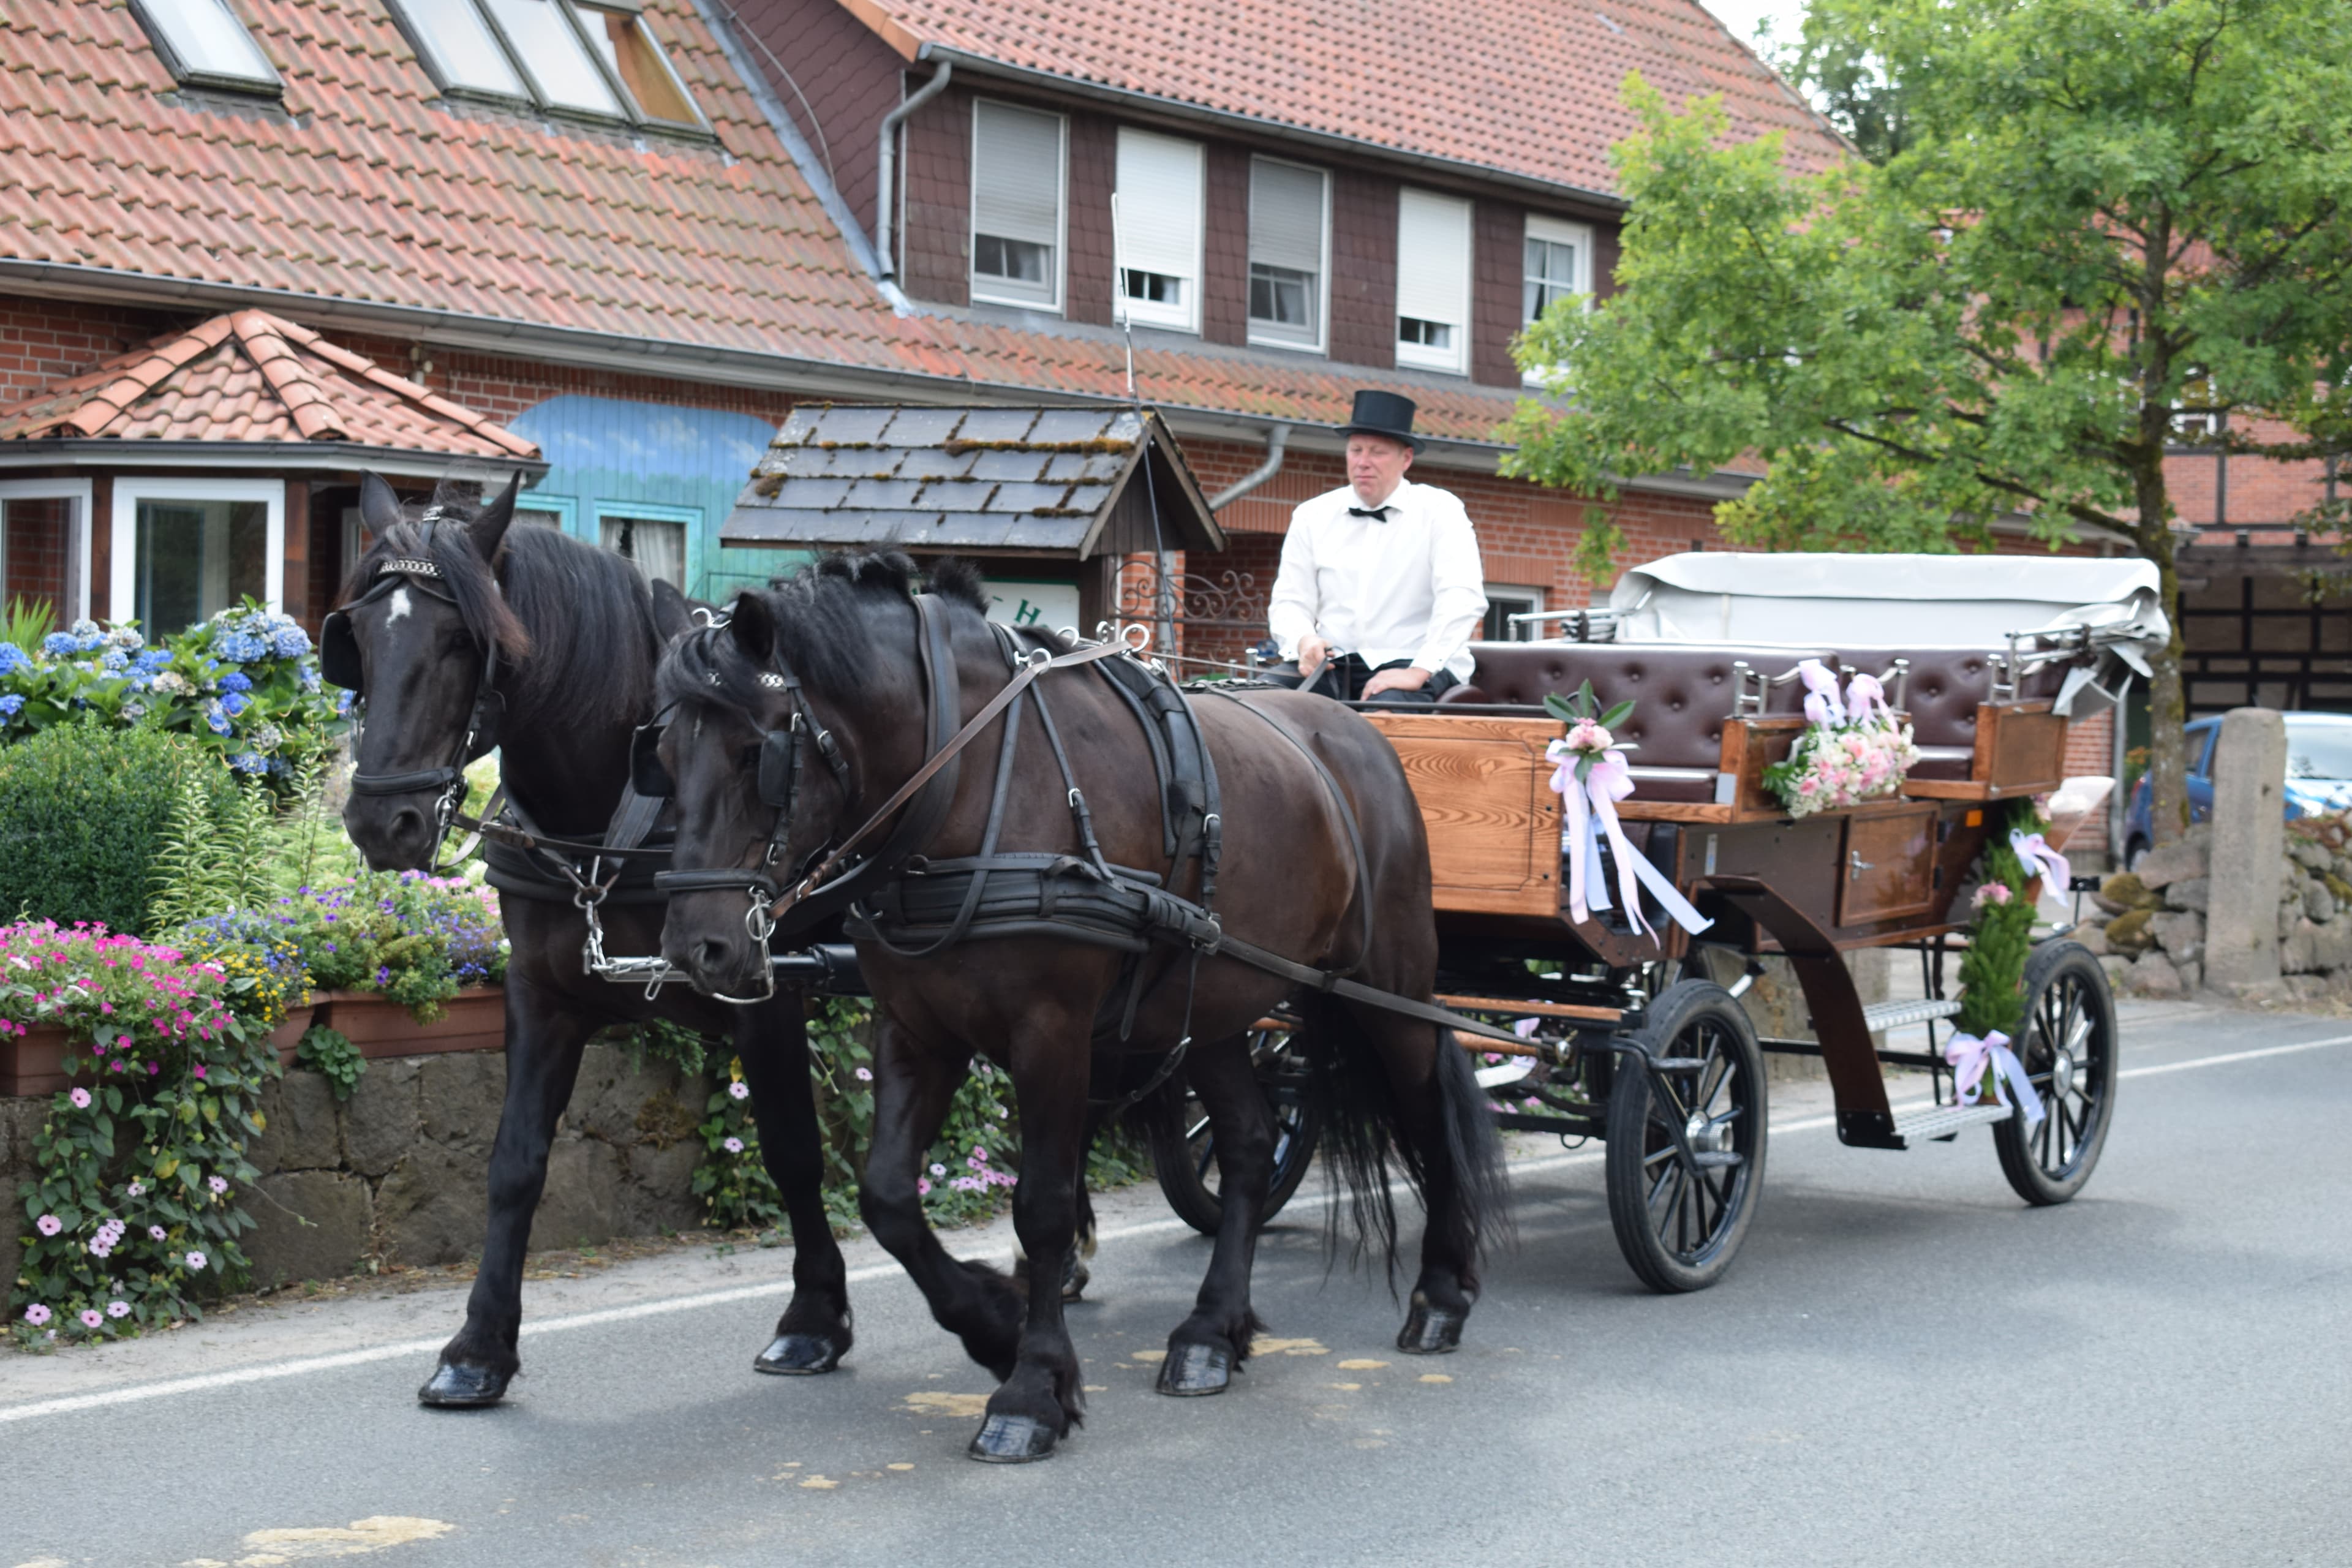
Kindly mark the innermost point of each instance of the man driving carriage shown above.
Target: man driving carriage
(1380, 587)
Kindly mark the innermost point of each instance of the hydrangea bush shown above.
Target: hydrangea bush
(134, 1209)
(245, 685)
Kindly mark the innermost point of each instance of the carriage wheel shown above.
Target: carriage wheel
(1678, 1218)
(1183, 1151)
(2068, 1047)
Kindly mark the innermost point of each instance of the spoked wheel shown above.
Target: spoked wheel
(2068, 1047)
(1184, 1153)
(1681, 1204)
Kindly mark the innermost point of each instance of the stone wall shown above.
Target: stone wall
(398, 1173)
(2152, 942)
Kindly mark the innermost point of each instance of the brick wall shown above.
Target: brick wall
(847, 76)
(43, 342)
(35, 552)
(2090, 753)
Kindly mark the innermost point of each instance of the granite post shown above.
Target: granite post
(2249, 845)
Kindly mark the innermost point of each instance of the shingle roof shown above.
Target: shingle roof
(250, 376)
(1529, 86)
(369, 187)
(965, 478)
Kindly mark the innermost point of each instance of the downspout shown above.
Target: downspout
(1277, 436)
(887, 164)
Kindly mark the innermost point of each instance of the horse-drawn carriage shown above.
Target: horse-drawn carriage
(1632, 1030)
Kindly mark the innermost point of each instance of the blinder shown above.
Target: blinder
(339, 651)
(779, 767)
(647, 776)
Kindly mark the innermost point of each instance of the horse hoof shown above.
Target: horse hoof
(1075, 1277)
(1012, 1441)
(799, 1355)
(454, 1385)
(1194, 1370)
(1431, 1331)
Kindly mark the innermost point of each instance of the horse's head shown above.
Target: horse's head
(800, 710)
(422, 629)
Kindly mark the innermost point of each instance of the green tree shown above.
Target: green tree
(2105, 213)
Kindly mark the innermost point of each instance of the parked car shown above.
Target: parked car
(2318, 774)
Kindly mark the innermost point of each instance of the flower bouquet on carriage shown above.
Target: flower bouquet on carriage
(1591, 776)
(1853, 747)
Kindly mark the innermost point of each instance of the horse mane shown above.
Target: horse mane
(824, 632)
(551, 603)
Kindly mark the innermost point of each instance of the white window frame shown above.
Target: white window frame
(632, 112)
(688, 519)
(271, 85)
(1515, 591)
(1322, 343)
(1185, 318)
(1557, 231)
(1419, 356)
(1061, 215)
(77, 491)
(122, 574)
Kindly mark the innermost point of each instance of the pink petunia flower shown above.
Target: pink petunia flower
(979, 1153)
(81, 1098)
(864, 1075)
(37, 1314)
(733, 1145)
(136, 1189)
(196, 1261)
(154, 1232)
(92, 1318)
(739, 1092)
(118, 1309)
(923, 1186)
(48, 1225)
(217, 1184)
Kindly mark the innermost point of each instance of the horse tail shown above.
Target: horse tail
(1365, 1132)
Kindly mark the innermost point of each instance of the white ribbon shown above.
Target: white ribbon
(2040, 860)
(1593, 800)
(1979, 1068)
(1821, 704)
(1864, 695)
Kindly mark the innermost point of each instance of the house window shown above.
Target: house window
(186, 550)
(1503, 602)
(1557, 265)
(1289, 230)
(591, 57)
(1432, 281)
(656, 545)
(1016, 205)
(203, 42)
(45, 544)
(1161, 189)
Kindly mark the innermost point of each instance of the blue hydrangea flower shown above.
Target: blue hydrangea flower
(152, 660)
(125, 637)
(240, 647)
(234, 703)
(13, 658)
(216, 720)
(11, 705)
(58, 644)
(311, 681)
(343, 701)
(248, 762)
(291, 642)
(236, 680)
(114, 660)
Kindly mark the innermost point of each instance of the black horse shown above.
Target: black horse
(467, 632)
(791, 726)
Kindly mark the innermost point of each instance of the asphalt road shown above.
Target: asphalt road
(1906, 1365)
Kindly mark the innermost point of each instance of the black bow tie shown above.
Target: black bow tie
(1380, 512)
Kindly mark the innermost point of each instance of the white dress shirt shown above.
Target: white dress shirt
(1408, 587)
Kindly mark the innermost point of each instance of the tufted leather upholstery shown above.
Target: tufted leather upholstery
(1946, 684)
(1682, 694)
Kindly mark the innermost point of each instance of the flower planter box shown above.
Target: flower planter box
(34, 1062)
(476, 1021)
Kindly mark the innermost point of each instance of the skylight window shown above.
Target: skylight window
(596, 61)
(203, 43)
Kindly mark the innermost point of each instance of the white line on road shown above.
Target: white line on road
(661, 1307)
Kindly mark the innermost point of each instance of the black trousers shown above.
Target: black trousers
(1344, 678)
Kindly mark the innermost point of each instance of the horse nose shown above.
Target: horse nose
(406, 824)
(710, 959)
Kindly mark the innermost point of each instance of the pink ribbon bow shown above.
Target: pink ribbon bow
(1864, 694)
(1980, 1068)
(2040, 860)
(1590, 804)
(1821, 704)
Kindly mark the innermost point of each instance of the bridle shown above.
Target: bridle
(339, 665)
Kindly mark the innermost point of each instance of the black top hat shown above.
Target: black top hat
(1382, 414)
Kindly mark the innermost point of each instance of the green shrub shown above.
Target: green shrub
(83, 812)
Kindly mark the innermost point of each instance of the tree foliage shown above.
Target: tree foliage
(2105, 213)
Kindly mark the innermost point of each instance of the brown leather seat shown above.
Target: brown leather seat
(1946, 685)
(1682, 693)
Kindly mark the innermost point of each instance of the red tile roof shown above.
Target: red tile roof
(251, 376)
(369, 188)
(1529, 87)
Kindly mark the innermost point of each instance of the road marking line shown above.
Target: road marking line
(662, 1306)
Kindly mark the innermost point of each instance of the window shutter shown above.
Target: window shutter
(1159, 204)
(1286, 219)
(1017, 174)
(1434, 274)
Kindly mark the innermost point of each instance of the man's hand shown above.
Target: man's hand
(1313, 654)
(1411, 678)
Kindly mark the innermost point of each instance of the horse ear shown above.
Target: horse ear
(489, 525)
(673, 617)
(753, 627)
(379, 507)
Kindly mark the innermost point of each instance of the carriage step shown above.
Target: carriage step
(1944, 1121)
(1885, 1016)
(1508, 1073)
